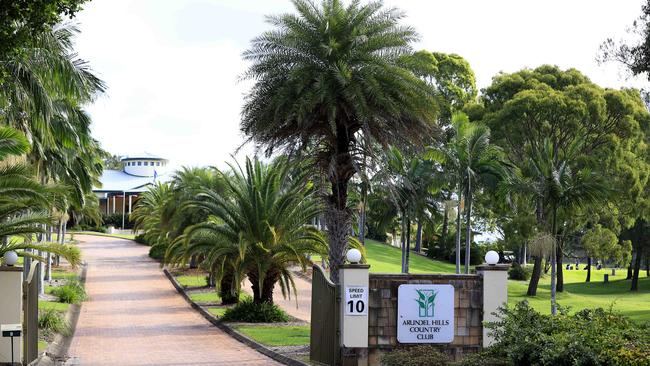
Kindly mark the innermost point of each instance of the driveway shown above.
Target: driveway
(134, 316)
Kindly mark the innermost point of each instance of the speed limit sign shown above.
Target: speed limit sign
(356, 300)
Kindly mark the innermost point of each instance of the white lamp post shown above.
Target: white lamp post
(10, 258)
(491, 257)
(353, 256)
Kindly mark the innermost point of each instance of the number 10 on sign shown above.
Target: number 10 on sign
(356, 300)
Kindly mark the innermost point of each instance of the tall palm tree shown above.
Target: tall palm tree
(331, 80)
(475, 163)
(260, 227)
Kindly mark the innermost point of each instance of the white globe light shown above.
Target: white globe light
(491, 257)
(353, 256)
(10, 258)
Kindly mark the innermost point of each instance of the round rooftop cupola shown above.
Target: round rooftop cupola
(144, 165)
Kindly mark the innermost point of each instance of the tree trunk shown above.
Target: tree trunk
(226, 289)
(534, 278)
(637, 268)
(408, 245)
(362, 214)
(418, 237)
(458, 229)
(468, 223)
(525, 262)
(588, 270)
(560, 273)
(553, 264)
(445, 223)
(403, 242)
(265, 294)
(629, 269)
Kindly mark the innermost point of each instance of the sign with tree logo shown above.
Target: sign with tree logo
(425, 314)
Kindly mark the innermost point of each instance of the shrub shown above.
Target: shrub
(589, 337)
(157, 252)
(141, 239)
(51, 321)
(248, 311)
(517, 272)
(115, 220)
(70, 293)
(415, 356)
(484, 358)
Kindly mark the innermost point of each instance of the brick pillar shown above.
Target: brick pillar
(495, 293)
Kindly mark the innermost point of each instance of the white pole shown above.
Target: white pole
(113, 204)
(108, 204)
(130, 197)
(123, 208)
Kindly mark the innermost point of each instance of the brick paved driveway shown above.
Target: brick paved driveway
(135, 317)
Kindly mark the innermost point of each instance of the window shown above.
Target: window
(139, 163)
(146, 163)
(158, 164)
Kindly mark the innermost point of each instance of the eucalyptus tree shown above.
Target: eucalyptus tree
(259, 227)
(530, 108)
(329, 78)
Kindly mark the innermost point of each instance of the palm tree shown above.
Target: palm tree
(24, 202)
(474, 163)
(331, 80)
(260, 227)
(554, 184)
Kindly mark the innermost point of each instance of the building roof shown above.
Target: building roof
(119, 181)
(142, 155)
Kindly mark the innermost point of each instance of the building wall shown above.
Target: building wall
(138, 167)
(468, 312)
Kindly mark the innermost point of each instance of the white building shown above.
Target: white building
(120, 188)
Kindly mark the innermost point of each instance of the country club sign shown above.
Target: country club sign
(425, 314)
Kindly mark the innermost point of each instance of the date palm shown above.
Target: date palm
(333, 80)
(259, 227)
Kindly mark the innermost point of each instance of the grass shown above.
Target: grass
(46, 305)
(192, 280)
(120, 236)
(42, 346)
(211, 296)
(579, 295)
(218, 312)
(270, 335)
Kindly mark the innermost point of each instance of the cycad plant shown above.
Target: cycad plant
(329, 81)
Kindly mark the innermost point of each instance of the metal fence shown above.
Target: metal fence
(324, 344)
(30, 313)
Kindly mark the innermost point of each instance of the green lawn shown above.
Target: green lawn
(211, 296)
(120, 236)
(46, 305)
(191, 280)
(578, 294)
(277, 335)
(218, 312)
(384, 258)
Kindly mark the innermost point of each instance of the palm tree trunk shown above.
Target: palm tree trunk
(408, 245)
(637, 268)
(588, 270)
(338, 218)
(458, 229)
(468, 223)
(445, 223)
(418, 236)
(560, 273)
(226, 290)
(534, 278)
(553, 266)
(362, 215)
(403, 242)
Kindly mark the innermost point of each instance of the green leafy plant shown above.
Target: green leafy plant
(71, 293)
(51, 321)
(517, 272)
(426, 302)
(415, 356)
(248, 311)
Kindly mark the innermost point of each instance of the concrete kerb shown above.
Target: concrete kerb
(231, 331)
(56, 352)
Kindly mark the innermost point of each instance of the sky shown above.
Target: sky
(172, 67)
